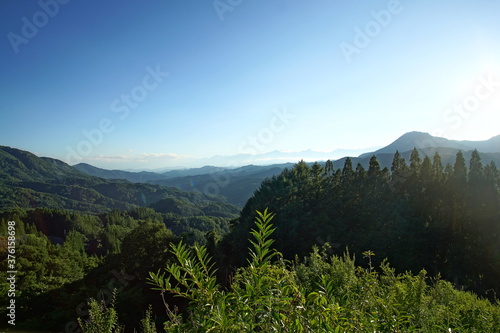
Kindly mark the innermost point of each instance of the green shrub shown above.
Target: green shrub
(101, 318)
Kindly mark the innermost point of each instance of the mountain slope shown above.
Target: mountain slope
(237, 185)
(422, 140)
(191, 172)
(144, 176)
(135, 177)
(29, 181)
(20, 165)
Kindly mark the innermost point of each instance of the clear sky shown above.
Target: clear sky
(149, 84)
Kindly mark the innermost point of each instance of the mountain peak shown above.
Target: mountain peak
(421, 140)
(414, 134)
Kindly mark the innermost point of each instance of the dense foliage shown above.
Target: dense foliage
(420, 214)
(321, 294)
(66, 257)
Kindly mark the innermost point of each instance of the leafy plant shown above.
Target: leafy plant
(102, 319)
(148, 322)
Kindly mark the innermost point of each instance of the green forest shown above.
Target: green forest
(317, 248)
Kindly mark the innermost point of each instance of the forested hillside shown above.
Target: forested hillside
(237, 185)
(420, 214)
(28, 181)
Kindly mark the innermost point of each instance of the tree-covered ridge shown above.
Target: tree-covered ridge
(19, 165)
(420, 214)
(28, 181)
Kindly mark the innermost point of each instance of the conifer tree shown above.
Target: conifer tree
(329, 170)
(415, 162)
(460, 170)
(374, 167)
(347, 171)
(437, 167)
(398, 167)
(360, 172)
(476, 170)
(426, 171)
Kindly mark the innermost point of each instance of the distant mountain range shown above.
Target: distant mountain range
(30, 181)
(280, 157)
(143, 176)
(238, 184)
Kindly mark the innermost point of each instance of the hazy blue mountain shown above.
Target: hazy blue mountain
(191, 171)
(143, 176)
(279, 157)
(135, 177)
(422, 140)
(237, 185)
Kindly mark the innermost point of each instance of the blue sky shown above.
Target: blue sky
(159, 83)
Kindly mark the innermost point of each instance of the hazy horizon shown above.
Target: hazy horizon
(265, 159)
